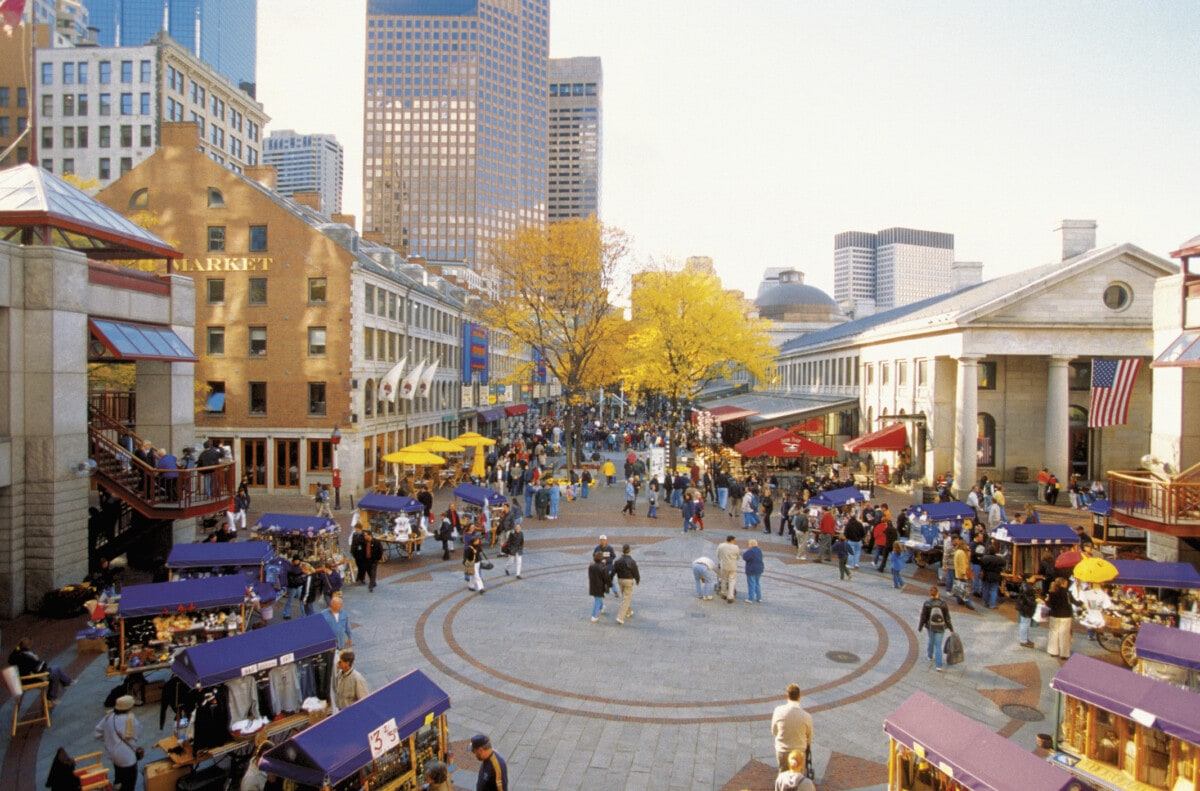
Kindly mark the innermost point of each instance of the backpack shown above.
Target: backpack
(937, 617)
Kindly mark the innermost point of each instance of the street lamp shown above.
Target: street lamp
(335, 439)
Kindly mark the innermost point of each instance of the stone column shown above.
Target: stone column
(1058, 418)
(966, 423)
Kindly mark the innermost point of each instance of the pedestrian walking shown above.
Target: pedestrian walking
(299, 584)
(339, 622)
(1027, 605)
(962, 573)
(792, 728)
(609, 553)
(1062, 617)
(598, 582)
(704, 570)
(727, 559)
(322, 499)
(493, 771)
(349, 685)
(841, 549)
(826, 530)
(122, 734)
(514, 547)
(372, 552)
(630, 495)
(625, 569)
(935, 616)
(652, 499)
(472, 560)
(897, 564)
(794, 778)
(753, 560)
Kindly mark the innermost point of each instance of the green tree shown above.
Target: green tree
(556, 286)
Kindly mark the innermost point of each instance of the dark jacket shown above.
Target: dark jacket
(515, 543)
(992, 567)
(627, 568)
(854, 530)
(597, 579)
(753, 558)
(1027, 600)
(925, 610)
(1060, 602)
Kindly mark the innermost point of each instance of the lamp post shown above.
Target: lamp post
(335, 439)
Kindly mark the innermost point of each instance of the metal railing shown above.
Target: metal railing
(1147, 496)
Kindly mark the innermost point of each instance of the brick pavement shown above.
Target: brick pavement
(678, 698)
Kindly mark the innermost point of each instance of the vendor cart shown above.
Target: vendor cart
(380, 743)
(1119, 730)
(1108, 532)
(395, 521)
(152, 621)
(932, 746)
(313, 539)
(1147, 591)
(836, 498)
(1170, 655)
(210, 559)
(1026, 542)
(484, 505)
(928, 526)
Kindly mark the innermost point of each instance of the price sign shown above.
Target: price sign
(384, 738)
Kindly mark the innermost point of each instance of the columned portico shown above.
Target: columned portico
(966, 423)
(1058, 417)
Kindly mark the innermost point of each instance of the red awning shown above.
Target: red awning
(893, 437)
(124, 340)
(781, 443)
(724, 414)
(516, 409)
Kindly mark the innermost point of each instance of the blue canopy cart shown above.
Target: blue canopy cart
(311, 538)
(381, 741)
(1170, 655)
(1147, 592)
(1026, 542)
(835, 498)
(380, 511)
(209, 559)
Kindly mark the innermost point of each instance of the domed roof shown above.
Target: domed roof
(790, 291)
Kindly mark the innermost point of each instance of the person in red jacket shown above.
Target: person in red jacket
(827, 529)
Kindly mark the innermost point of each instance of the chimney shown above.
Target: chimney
(966, 273)
(344, 219)
(310, 199)
(263, 174)
(1078, 236)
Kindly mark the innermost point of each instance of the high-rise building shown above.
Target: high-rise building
(98, 109)
(576, 137)
(307, 163)
(222, 33)
(455, 101)
(894, 267)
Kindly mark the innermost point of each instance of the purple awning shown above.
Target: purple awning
(1156, 574)
(1163, 706)
(229, 553)
(1159, 643)
(182, 596)
(1046, 533)
(973, 754)
(390, 503)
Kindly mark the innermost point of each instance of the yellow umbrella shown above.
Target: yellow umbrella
(440, 445)
(412, 456)
(1095, 570)
(478, 464)
(473, 440)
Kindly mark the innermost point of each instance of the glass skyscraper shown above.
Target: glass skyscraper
(222, 33)
(455, 129)
(576, 137)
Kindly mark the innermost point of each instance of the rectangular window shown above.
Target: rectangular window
(216, 290)
(258, 341)
(922, 373)
(22, 97)
(126, 165)
(316, 399)
(316, 290)
(68, 166)
(258, 398)
(106, 104)
(4, 94)
(368, 344)
(987, 376)
(146, 136)
(47, 74)
(81, 72)
(126, 136)
(68, 73)
(258, 238)
(5, 126)
(902, 373)
(258, 291)
(1079, 376)
(127, 104)
(47, 137)
(105, 168)
(144, 103)
(369, 301)
(48, 165)
(105, 72)
(884, 374)
(316, 341)
(105, 137)
(81, 105)
(47, 105)
(144, 69)
(215, 403)
(216, 238)
(68, 104)
(81, 137)
(126, 71)
(68, 137)
(216, 341)
(320, 451)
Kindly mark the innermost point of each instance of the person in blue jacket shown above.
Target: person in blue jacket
(753, 558)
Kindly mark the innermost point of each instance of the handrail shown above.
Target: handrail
(1143, 494)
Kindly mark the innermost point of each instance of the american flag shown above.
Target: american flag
(1112, 382)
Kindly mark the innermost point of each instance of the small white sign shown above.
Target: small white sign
(384, 738)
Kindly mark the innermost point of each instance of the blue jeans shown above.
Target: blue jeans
(977, 582)
(876, 554)
(897, 580)
(855, 553)
(949, 575)
(287, 601)
(991, 594)
(583, 491)
(754, 587)
(597, 606)
(705, 577)
(677, 498)
(1023, 623)
(528, 500)
(686, 522)
(653, 512)
(553, 508)
(722, 498)
(749, 520)
(934, 648)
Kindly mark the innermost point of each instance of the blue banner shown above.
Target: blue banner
(475, 354)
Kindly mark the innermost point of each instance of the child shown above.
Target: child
(652, 497)
(841, 548)
(897, 563)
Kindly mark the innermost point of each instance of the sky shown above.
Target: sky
(753, 131)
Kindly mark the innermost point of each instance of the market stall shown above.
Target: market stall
(932, 747)
(479, 499)
(928, 526)
(380, 742)
(1116, 729)
(265, 667)
(1109, 533)
(153, 621)
(836, 498)
(1026, 542)
(395, 521)
(1170, 655)
(209, 559)
(311, 538)
(1147, 591)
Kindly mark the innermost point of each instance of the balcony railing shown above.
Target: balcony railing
(1146, 496)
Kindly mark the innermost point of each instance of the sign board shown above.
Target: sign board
(658, 464)
(384, 739)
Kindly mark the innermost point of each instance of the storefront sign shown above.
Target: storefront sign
(384, 739)
(475, 354)
(224, 264)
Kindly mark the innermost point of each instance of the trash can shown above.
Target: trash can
(1020, 475)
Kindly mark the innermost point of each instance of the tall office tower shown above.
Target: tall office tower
(454, 124)
(894, 267)
(222, 33)
(576, 137)
(307, 163)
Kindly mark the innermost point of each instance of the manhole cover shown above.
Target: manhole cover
(842, 657)
(699, 614)
(654, 553)
(1019, 711)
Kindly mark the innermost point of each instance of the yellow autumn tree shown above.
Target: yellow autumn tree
(687, 332)
(556, 287)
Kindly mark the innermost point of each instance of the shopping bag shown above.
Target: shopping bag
(1041, 613)
(953, 648)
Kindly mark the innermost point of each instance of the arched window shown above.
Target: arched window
(369, 398)
(985, 443)
(215, 199)
(1077, 416)
(140, 199)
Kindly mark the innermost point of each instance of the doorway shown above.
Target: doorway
(287, 463)
(254, 461)
(1080, 439)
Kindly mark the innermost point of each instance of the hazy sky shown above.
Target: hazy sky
(754, 131)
